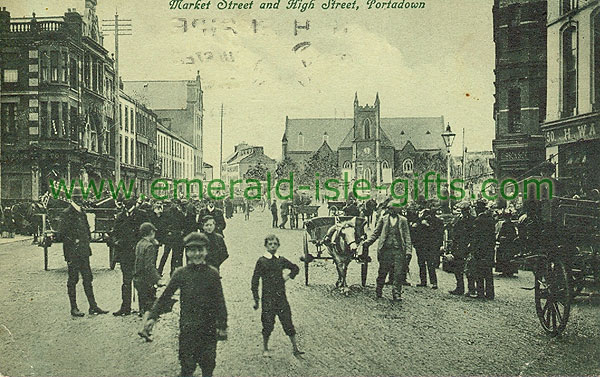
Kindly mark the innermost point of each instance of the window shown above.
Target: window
(569, 85)
(121, 116)
(367, 174)
(407, 166)
(347, 165)
(86, 71)
(596, 57)
(73, 69)
(126, 119)
(45, 64)
(385, 165)
(9, 120)
(514, 110)
(65, 120)
(126, 150)
(121, 147)
(74, 119)
(64, 67)
(100, 78)
(131, 119)
(131, 150)
(44, 132)
(11, 75)
(54, 66)
(54, 121)
(568, 5)
(300, 141)
(94, 76)
(367, 128)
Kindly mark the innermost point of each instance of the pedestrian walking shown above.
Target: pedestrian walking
(246, 210)
(125, 241)
(394, 243)
(284, 210)
(203, 314)
(75, 232)
(274, 271)
(481, 250)
(505, 251)
(274, 214)
(146, 276)
(429, 237)
(217, 250)
(461, 232)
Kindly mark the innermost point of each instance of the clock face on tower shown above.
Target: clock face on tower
(367, 150)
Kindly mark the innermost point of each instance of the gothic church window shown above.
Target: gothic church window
(367, 128)
(407, 166)
(385, 165)
(346, 165)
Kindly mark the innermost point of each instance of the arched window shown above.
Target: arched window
(325, 138)
(407, 166)
(385, 165)
(347, 165)
(596, 57)
(300, 141)
(569, 67)
(367, 174)
(367, 128)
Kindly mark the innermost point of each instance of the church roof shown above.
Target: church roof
(424, 133)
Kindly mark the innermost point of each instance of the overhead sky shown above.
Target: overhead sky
(423, 62)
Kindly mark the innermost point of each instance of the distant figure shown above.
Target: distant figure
(274, 214)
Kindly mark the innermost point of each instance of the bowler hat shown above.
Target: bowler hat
(195, 239)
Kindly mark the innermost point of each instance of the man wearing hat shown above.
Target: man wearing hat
(146, 275)
(75, 231)
(203, 314)
(483, 241)
(429, 236)
(394, 243)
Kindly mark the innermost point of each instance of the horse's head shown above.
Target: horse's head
(348, 239)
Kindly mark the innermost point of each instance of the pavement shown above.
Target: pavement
(429, 333)
(16, 238)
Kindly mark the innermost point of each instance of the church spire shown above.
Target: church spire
(377, 99)
(356, 98)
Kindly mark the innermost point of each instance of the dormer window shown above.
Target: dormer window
(325, 138)
(428, 132)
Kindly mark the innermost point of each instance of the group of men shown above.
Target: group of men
(137, 220)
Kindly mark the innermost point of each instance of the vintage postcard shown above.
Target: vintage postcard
(299, 187)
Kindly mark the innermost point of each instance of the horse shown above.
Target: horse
(342, 244)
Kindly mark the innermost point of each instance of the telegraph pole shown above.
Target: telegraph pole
(113, 26)
(221, 147)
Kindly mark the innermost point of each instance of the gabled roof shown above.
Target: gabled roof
(159, 95)
(423, 133)
(207, 165)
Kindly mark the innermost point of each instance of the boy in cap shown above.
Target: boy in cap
(271, 268)
(203, 315)
(146, 275)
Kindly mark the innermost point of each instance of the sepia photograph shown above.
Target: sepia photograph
(299, 188)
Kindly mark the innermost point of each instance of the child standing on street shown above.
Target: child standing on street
(274, 271)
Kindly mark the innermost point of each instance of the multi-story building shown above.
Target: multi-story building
(56, 102)
(175, 156)
(366, 146)
(137, 139)
(519, 108)
(179, 107)
(572, 127)
(243, 158)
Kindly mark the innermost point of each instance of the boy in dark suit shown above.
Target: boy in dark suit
(272, 269)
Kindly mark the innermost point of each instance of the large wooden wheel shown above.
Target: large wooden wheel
(553, 295)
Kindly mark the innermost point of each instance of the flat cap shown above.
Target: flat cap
(145, 228)
(195, 239)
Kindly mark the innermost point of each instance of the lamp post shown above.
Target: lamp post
(448, 137)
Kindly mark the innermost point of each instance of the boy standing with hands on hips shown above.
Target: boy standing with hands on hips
(274, 271)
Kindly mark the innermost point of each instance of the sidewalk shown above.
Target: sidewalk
(16, 238)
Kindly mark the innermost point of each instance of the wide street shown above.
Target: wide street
(429, 333)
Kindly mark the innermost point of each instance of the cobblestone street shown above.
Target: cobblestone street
(429, 333)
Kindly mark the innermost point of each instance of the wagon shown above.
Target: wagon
(102, 218)
(316, 229)
(336, 208)
(566, 261)
(307, 211)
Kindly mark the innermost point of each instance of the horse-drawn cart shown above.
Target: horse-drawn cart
(565, 261)
(316, 230)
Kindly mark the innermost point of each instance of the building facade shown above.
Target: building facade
(57, 102)
(175, 157)
(137, 140)
(243, 158)
(520, 86)
(179, 107)
(573, 108)
(367, 146)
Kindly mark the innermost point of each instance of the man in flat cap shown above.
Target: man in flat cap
(146, 275)
(203, 314)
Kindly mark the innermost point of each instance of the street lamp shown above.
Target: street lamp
(448, 137)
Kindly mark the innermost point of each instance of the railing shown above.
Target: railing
(24, 27)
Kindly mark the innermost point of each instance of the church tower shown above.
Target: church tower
(365, 144)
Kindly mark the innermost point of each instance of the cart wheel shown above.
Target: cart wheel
(112, 260)
(553, 294)
(364, 267)
(306, 259)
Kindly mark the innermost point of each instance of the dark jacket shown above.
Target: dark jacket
(428, 236)
(271, 272)
(216, 214)
(382, 231)
(483, 240)
(203, 307)
(146, 274)
(217, 250)
(75, 232)
(351, 210)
